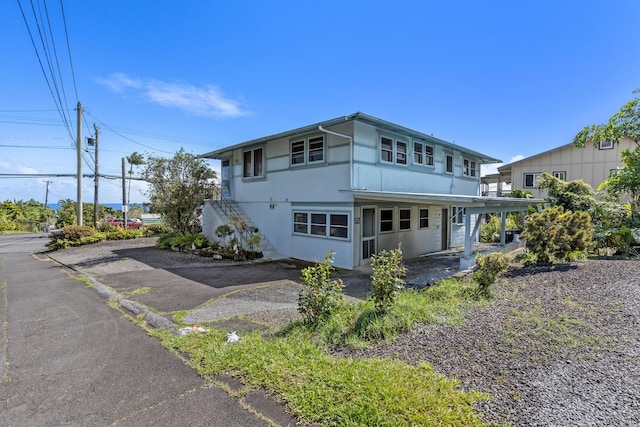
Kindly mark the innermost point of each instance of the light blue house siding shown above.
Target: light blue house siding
(336, 186)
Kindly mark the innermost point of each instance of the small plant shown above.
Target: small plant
(223, 232)
(321, 296)
(388, 277)
(489, 266)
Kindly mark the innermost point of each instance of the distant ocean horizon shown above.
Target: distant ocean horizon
(116, 206)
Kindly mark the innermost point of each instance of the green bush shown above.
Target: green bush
(555, 234)
(321, 295)
(488, 268)
(494, 226)
(76, 232)
(158, 228)
(119, 233)
(388, 277)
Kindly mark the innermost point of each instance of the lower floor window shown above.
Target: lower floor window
(405, 219)
(321, 224)
(424, 218)
(386, 220)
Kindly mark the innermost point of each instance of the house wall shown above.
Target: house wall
(271, 200)
(371, 173)
(590, 164)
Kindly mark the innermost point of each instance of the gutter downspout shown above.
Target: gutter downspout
(350, 138)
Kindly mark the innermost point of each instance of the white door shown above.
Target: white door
(368, 227)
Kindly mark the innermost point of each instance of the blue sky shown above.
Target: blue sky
(508, 79)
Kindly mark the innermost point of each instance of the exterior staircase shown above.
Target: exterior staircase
(241, 223)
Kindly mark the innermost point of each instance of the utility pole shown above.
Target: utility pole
(46, 196)
(125, 208)
(46, 205)
(95, 178)
(79, 155)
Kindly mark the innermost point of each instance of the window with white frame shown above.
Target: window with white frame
(307, 150)
(605, 145)
(301, 222)
(422, 154)
(386, 220)
(386, 149)
(252, 163)
(401, 153)
(460, 213)
(393, 150)
(424, 218)
(469, 168)
(405, 219)
(448, 163)
(320, 224)
(339, 226)
(530, 179)
(560, 175)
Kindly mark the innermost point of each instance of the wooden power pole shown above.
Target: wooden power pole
(96, 180)
(79, 155)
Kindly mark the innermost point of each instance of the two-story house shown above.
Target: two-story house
(356, 185)
(590, 164)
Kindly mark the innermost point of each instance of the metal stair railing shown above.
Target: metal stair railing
(244, 231)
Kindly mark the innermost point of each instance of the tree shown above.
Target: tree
(625, 123)
(178, 188)
(135, 159)
(573, 196)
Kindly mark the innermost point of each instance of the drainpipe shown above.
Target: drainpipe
(350, 138)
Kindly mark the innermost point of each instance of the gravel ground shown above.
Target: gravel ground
(554, 347)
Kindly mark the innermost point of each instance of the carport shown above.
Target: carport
(474, 206)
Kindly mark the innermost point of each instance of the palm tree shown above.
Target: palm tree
(135, 159)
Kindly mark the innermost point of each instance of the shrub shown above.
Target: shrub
(158, 228)
(223, 232)
(119, 233)
(494, 226)
(321, 296)
(76, 232)
(555, 233)
(387, 279)
(488, 268)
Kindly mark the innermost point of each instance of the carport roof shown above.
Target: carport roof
(477, 203)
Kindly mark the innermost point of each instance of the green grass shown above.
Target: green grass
(333, 391)
(318, 387)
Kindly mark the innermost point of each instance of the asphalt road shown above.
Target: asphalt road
(67, 358)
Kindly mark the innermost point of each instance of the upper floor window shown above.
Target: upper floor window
(393, 150)
(448, 163)
(530, 179)
(605, 145)
(307, 150)
(252, 165)
(422, 154)
(560, 175)
(469, 168)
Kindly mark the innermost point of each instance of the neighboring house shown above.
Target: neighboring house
(356, 185)
(590, 164)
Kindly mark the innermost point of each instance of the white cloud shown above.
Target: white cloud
(493, 167)
(201, 101)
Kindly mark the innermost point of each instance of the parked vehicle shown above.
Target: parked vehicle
(134, 223)
(116, 222)
(131, 222)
